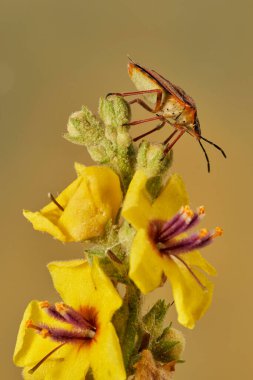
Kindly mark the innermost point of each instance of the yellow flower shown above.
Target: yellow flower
(82, 210)
(62, 340)
(157, 250)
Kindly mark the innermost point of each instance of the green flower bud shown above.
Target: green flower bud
(85, 129)
(114, 111)
(177, 350)
(151, 158)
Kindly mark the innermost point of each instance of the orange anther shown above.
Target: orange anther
(188, 211)
(201, 210)
(44, 304)
(60, 307)
(29, 323)
(203, 232)
(218, 232)
(44, 333)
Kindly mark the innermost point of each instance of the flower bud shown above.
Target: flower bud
(151, 158)
(114, 111)
(85, 129)
(174, 335)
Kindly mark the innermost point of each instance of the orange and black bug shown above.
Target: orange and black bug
(169, 102)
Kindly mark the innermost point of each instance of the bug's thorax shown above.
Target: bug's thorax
(178, 113)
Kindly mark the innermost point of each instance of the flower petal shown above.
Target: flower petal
(43, 224)
(96, 201)
(137, 205)
(46, 220)
(79, 168)
(80, 284)
(146, 265)
(170, 200)
(106, 356)
(190, 299)
(73, 364)
(195, 258)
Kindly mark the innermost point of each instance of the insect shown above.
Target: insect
(171, 105)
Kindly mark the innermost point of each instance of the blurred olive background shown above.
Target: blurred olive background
(57, 55)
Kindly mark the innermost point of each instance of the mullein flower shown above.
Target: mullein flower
(82, 210)
(63, 340)
(159, 247)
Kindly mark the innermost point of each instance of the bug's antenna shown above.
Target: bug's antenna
(207, 159)
(215, 145)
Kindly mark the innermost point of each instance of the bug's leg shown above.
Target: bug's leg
(169, 146)
(170, 137)
(157, 128)
(141, 102)
(145, 120)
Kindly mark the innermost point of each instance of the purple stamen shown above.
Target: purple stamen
(195, 220)
(180, 226)
(65, 313)
(52, 312)
(185, 245)
(65, 336)
(76, 319)
(172, 245)
(167, 225)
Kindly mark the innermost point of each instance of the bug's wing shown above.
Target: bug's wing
(173, 89)
(145, 81)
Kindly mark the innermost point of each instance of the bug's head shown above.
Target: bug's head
(196, 127)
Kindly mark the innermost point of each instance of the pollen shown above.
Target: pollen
(203, 232)
(201, 210)
(44, 333)
(218, 232)
(44, 304)
(188, 211)
(60, 307)
(29, 323)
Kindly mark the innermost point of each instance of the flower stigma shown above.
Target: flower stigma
(51, 196)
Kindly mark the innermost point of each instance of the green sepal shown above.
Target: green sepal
(115, 271)
(154, 186)
(120, 319)
(126, 235)
(129, 349)
(162, 350)
(153, 320)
